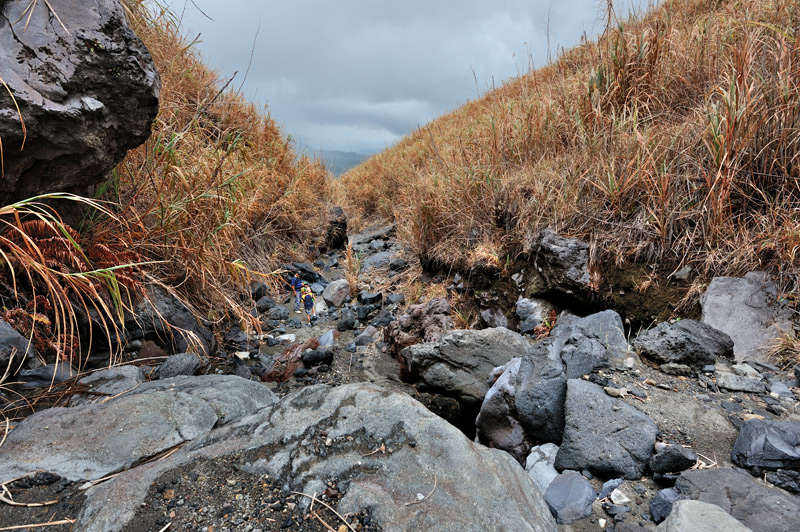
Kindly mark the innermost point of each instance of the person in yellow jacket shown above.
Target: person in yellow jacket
(307, 296)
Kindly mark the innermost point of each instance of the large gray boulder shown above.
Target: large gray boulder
(15, 349)
(604, 435)
(748, 310)
(107, 383)
(531, 396)
(162, 318)
(767, 445)
(378, 260)
(321, 433)
(688, 342)
(596, 341)
(337, 292)
(90, 441)
(95, 80)
(180, 364)
(758, 507)
(460, 362)
(497, 422)
(696, 516)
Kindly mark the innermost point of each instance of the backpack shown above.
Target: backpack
(308, 299)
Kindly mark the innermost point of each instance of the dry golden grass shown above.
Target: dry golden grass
(217, 191)
(673, 139)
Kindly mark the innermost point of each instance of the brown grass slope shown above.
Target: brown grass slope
(671, 140)
(217, 191)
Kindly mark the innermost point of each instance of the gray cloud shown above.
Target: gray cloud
(360, 74)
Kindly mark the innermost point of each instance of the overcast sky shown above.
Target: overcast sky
(357, 75)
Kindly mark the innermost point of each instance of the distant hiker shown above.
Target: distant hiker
(308, 302)
(297, 284)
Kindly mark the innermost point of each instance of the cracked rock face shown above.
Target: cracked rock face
(86, 94)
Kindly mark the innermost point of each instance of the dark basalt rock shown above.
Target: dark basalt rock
(86, 97)
(767, 445)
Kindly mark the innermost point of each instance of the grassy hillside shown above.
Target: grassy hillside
(217, 190)
(673, 140)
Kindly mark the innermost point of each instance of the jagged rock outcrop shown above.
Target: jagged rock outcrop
(426, 322)
(562, 264)
(526, 404)
(86, 94)
(687, 342)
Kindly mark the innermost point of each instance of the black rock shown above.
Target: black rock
(673, 459)
(788, 480)
(302, 371)
(363, 339)
(396, 299)
(569, 497)
(258, 290)
(384, 318)
(615, 509)
(398, 264)
(307, 272)
(562, 263)
(279, 313)
(370, 298)
(687, 342)
(294, 323)
(363, 312)
(661, 505)
(180, 364)
(767, 445)
(347, 320)
(86, 96)
(603, 434)
(265, 303)
(351, 347)
(609, 486)
(315, 357)
(272, 341)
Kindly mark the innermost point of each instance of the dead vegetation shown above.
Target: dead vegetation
(673, 140)
(217, 193)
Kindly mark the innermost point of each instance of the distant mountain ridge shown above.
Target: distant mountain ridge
(338, 162)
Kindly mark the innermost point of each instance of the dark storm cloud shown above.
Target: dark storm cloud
(350, 75)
